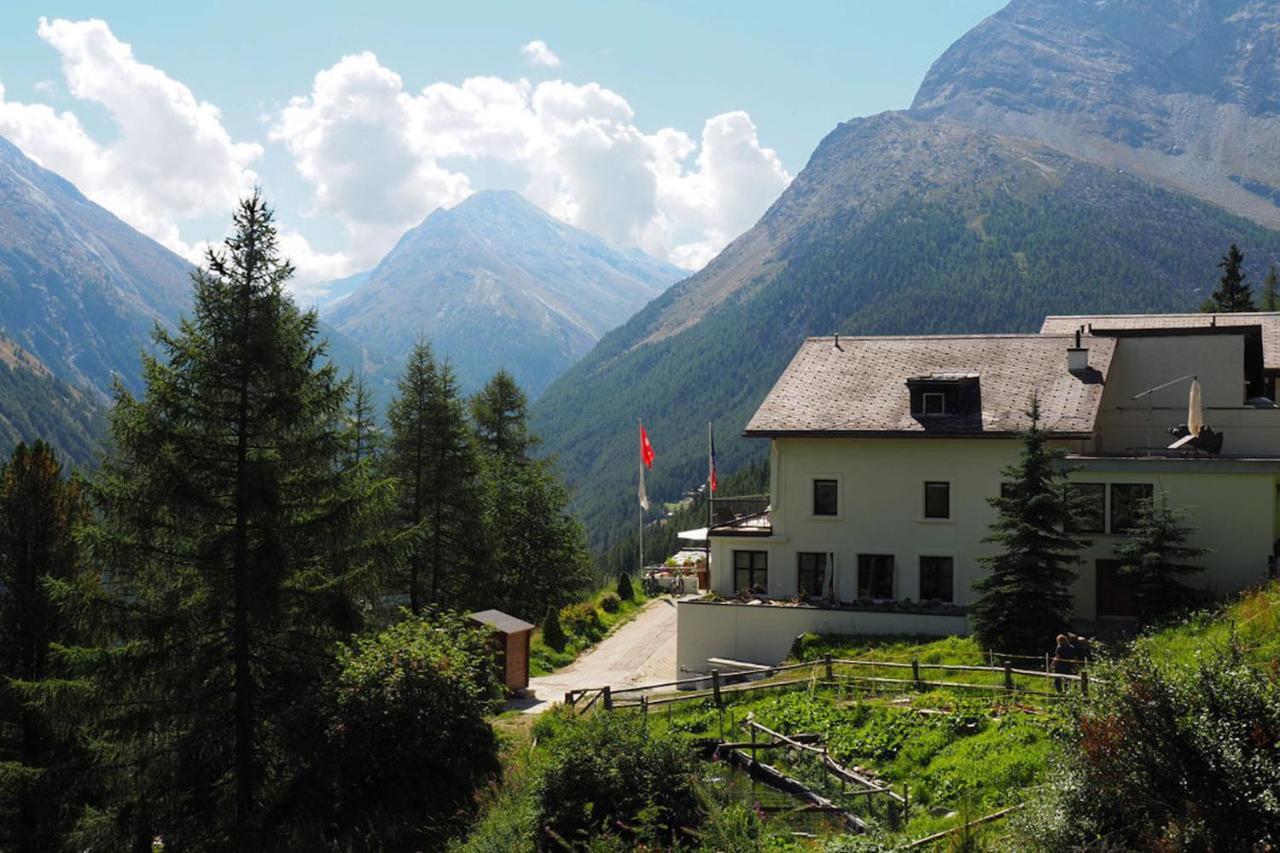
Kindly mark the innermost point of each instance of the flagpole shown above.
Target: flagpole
(710, 494)
(640, 472)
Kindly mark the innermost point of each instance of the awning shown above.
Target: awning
(699, 535)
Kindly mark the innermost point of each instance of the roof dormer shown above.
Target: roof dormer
(944, 398)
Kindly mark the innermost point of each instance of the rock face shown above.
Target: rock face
(496, 283)
(1063, 157)
(79, 289)
(1183, 92)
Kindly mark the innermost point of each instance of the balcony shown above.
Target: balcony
(747, 515)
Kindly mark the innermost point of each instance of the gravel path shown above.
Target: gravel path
(643, 651)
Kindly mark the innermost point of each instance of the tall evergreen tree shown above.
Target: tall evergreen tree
(1232, 295)
(1271, 291)
(39, 511)
(432, 455)
(1155, 558)
(223, 508)
(366, 437)
(538, 550)
(1025, 597)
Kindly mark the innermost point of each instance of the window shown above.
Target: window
(751, 571)
(824, 497)
(1089, 501)
(1125, 501)
(936, 575)
(811, 575)
(875, 576)
(933, 403)
(937, 500)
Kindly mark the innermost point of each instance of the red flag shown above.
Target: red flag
(646, 449)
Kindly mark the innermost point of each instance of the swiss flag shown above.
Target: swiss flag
(646, 449)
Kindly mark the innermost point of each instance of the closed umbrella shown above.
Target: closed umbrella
(1195, 409)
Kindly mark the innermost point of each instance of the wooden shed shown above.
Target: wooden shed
(512, 636)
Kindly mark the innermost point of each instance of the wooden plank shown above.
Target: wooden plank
(828, 762)
(939, 836)
(773, 776)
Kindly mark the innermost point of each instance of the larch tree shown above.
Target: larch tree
(500, 411)
(1271, 291)
(40, 510)
(1025, 598)
(223, 507)
(432, 456)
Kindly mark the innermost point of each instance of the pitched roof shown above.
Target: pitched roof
(1268, 321)
(501, 621)
(861, 387)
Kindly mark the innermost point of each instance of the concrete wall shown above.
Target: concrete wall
(764, 634)
(1231, 504)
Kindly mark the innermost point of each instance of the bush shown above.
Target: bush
(610, 602)
(552, 632)
(604, 775)
(626, 591)
(409, 740)
(1164, 759)
(583, 620)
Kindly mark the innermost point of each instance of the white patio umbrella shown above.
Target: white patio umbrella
(1195, 409)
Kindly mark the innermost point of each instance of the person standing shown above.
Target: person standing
(1064, 661)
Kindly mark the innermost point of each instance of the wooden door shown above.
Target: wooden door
(1115, 596)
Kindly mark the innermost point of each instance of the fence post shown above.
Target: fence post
(827, 660)
(915, 672)
(906, 803)
(1008, 675)
(644, 711)
(568, 699)
(1084, 682)
(715, 686)
(607, 697)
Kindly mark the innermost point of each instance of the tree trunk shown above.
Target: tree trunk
(245, 836)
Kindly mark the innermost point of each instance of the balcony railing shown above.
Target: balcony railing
(728, 510)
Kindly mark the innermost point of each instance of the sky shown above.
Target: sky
(670, 126)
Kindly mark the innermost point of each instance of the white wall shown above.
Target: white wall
(764, 634)
(1230, 503)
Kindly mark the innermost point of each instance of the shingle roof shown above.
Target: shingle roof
(861, 386)
(501, 621)
(1268, 321)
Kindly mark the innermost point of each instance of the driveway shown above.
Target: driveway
(643, 651)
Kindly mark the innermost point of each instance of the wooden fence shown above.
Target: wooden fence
(874, 674)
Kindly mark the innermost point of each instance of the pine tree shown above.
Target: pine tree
(432, 456)
(1271, 291)
(223, 511)
(1232, 295)
(1025, 599)
(39, 512)
(1156, 556)
(366, 437)
(538, 549)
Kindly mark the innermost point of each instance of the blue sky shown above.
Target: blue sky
(794, 70)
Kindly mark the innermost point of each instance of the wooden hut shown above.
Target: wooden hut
(512, 637)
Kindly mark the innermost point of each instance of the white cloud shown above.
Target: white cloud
(171, 158)
(538, 54)
(380, 158)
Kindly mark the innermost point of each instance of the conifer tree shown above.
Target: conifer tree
(223, 509)
(1232, 295)
(538, 550)
(433, 457)
(1156, 557)
(1025, 599)
(366, 437)
(39, 512)
(1271, 291)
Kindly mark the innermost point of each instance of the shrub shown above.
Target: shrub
(583, 620)
(604, 775)
(1164, 759)
(552, 632)
(408, 740)
(626, 591)
(610, 602)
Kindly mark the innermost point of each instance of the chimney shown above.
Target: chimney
(1078, 357)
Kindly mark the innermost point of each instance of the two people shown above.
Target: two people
(1068, 656)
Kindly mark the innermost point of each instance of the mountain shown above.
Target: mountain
(80, 293)
(907, 222)
(36, 404)
(497, 283)
(332, 292)
(79, 289)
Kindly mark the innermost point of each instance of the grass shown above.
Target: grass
(544, 660)
(1251, 621)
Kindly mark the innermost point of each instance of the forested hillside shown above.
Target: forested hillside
(34, 404)
(989, 242)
